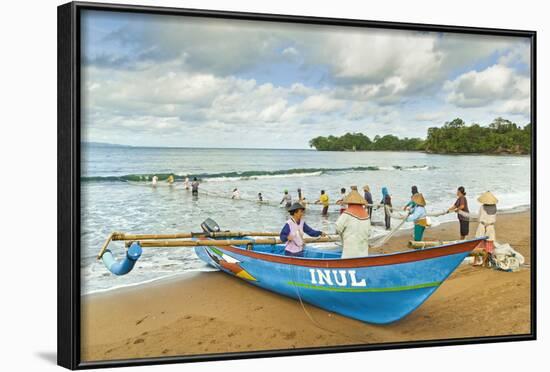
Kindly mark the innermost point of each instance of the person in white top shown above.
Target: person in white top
(353, 225)
(236, 194)
(486, 227)
(154, 180)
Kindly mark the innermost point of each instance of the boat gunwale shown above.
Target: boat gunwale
(359, 262)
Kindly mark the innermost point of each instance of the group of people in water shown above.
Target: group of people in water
(189, 185)
(353, 224)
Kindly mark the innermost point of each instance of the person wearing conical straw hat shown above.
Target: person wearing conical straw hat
(417, 214)
(353, 225)
(486, 226)
(293, 231)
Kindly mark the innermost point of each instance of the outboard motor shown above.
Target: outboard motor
(210, 226)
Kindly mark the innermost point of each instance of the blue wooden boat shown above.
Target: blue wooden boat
(377, 289)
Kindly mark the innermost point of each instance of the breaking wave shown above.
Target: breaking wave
(251, 175)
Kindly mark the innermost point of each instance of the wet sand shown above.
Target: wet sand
(211, 312)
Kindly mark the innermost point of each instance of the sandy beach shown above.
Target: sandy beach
(205, 313)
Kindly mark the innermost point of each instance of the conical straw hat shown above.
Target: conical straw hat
(419, 199)
(354, 198)
(487, 198)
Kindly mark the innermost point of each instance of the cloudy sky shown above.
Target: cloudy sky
(154, 80)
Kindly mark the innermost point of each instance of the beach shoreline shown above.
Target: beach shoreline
(210, 312)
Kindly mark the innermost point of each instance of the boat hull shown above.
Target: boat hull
(376, 289)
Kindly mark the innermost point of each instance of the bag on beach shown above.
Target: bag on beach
(505, 258)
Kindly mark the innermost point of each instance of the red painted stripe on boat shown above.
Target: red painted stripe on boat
(391, 259)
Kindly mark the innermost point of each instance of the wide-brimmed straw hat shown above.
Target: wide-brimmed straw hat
(366, 188)
(419, 199)
(487, 198)
(295, 206)
(354, 198)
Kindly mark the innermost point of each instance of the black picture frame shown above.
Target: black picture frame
(68, 92)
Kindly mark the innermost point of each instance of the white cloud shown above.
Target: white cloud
(479, 88)
(321, 103)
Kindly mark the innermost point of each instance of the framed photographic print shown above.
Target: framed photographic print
(236, 185)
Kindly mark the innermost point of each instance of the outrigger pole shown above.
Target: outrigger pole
(222, 243)
(133, 253)
(117, 236)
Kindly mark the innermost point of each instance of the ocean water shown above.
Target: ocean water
(117, 194)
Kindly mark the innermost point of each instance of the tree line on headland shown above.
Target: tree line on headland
(455, 137)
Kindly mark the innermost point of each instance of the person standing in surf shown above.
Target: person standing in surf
(195, 187)
(236, 194)
(287, 200)
(170, 180)
(293, 231)
(324, 200)
(461, 204)
(154, 181)
(301, 197)
(186, 183)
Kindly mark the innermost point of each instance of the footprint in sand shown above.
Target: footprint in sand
(290, 335)
(165, 351)
(141, 320)
(187, 317)
(139, 341)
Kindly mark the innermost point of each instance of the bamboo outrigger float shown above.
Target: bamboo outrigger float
(376, 289)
